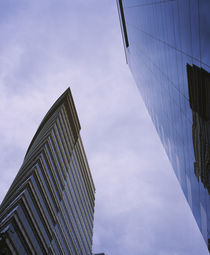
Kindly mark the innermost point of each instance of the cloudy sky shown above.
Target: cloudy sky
(48, 45)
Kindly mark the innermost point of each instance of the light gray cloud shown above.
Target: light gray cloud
(49, 45)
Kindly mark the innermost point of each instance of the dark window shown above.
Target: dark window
(123, 23)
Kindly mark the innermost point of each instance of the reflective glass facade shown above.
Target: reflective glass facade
(49, 206)
(168, 51)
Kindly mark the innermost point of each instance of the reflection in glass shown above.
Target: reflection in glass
(164, 37)
(199, 97)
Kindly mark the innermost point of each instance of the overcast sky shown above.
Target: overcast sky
(48, 45)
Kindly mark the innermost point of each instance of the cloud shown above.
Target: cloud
(50, 45)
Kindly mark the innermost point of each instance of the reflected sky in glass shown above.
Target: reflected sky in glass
(164, 37)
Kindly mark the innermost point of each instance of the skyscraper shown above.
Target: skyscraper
(50, 204)
(167, 49)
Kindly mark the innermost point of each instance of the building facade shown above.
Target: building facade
(50, 204)
(168, 51)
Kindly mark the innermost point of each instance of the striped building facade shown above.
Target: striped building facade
(50, 205)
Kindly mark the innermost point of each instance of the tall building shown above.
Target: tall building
(50, 204)
(168, 51)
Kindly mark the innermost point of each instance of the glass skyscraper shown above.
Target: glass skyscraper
(50, 204)
(167, 47)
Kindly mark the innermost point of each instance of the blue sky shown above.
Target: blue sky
(49, 45)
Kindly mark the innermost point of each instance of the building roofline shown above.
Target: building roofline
(72, 113)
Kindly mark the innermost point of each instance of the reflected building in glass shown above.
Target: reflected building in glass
(168, 51)
(50, 204)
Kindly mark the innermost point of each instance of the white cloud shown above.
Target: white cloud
(49, 45)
